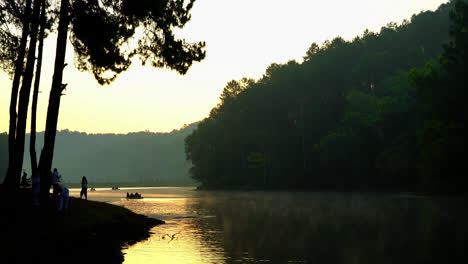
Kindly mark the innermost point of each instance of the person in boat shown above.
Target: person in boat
(134, 196)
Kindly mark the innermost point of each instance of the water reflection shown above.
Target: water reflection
(188, 246)
(181, 239)
(284, 227)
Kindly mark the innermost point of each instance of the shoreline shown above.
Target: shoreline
(332, 190)
(126, 185)
(90, 232)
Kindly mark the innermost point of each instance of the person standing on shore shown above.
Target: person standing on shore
(84, 188)
(64, 197)
(55, 184)
(25, 181)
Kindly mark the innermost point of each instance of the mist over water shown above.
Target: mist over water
(294, 227)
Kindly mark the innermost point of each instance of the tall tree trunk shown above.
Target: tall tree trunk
(47, 153)
(10, 177)
(37, 80)
(25, 93)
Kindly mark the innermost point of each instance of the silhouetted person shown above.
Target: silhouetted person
(84, 188)
(64, 197)
(128, 195)
(25, 181)
(55, 182)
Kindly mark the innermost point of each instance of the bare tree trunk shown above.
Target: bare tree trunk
(47, 153)
(10, 177)
(25, 93)
(37, 80)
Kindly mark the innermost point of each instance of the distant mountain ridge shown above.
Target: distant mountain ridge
(133, 157)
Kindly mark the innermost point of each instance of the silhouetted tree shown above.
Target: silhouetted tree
(102, 51)
(37, 80)
(12, 19)
(25, 92)
(17, 122)
(11, 11)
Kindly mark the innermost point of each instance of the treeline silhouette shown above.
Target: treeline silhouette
(134, 157)
(354, 115)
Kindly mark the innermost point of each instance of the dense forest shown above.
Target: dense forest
(384, 111)
(156, 158)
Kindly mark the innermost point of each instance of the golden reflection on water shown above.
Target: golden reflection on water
(181, 240)
(293, 227)
(186, 246)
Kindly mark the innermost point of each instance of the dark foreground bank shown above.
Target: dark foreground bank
(90, 232)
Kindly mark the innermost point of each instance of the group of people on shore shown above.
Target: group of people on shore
(59, 190)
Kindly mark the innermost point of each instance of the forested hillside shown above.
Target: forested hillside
(133, 157)
(353, 115)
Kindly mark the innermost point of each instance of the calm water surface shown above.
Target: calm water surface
(294, 227)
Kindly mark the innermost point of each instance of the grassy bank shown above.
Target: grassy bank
(90, 232)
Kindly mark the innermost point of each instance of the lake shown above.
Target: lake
(294, 227)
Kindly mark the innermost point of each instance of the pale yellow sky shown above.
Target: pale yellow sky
(243, 37)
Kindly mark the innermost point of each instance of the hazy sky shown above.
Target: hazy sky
(243, 37)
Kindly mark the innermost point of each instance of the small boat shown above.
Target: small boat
(134, 196)
(92, 189)
(115, 188)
